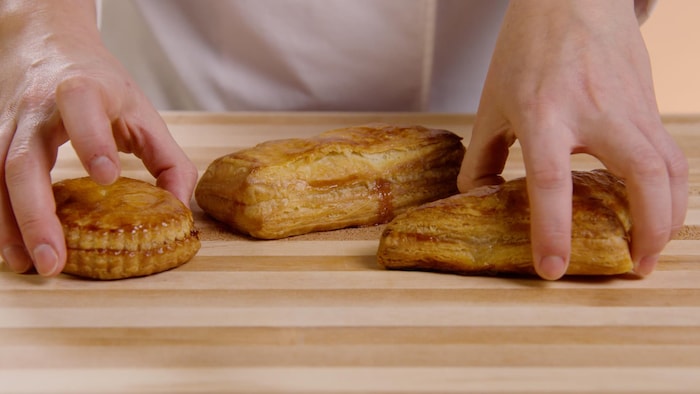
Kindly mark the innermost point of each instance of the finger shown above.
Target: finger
(27, 166)
(677, 165)
(85, 118)
(486, 153)
(650, 206)
(162, 155)
(649, 190)
(546, 153)
(11, 245)
(679, 195)
(675, 162)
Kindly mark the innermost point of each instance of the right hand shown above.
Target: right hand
(59, 83)
(571, 77)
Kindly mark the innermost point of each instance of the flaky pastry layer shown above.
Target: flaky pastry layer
(346, 177)
(130, 228)
(108, 264)
(487, 231)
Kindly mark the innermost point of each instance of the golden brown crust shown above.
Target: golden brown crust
(487, 231)
(130, 228)
(346, 177)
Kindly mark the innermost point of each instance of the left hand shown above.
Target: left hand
(574, 77)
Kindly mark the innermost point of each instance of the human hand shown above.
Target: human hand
(574, 77)
(58, 83)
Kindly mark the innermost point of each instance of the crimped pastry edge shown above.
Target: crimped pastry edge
(138, 239)
(106, 264)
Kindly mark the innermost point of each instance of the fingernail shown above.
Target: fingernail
(552, 267)
(16, 258)
(646, 265)
(103, 169)
(45, 260)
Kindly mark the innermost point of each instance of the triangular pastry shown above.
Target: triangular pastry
(487, 231)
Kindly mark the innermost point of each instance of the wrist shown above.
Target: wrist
(592, 9)
(41, 19)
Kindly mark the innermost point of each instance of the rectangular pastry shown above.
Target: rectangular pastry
(354, 176)
(487, 231)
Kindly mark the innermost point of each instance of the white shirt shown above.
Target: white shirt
(355, 55)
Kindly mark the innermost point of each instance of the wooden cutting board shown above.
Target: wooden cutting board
(315, 313)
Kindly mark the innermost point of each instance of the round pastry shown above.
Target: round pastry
(126, 229)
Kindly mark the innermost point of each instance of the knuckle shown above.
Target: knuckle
(656, 234)
(33, 99)
(552, 237)
(662, 235)
(676, 228)
(551, 241)
(647, 164)
(653, 240)
(678, 166)
(16, 163)
(30, 223)
(549, 177)
(192, 173)
(74, 83)
(189, 173)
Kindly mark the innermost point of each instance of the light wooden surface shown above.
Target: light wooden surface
(315, 314)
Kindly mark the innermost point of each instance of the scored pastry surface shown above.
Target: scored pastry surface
(345, 177)
(130, 228)
(487, 231)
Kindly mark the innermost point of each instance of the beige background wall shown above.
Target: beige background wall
(672, 34)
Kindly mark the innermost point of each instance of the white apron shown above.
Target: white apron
(354, 55)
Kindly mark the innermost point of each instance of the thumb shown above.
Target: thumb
(486, 153)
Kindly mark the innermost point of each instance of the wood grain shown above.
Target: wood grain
(316, 314)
